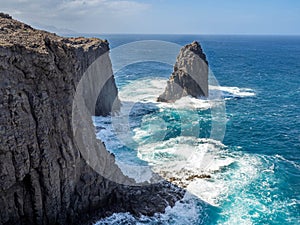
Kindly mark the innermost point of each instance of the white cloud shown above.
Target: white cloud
(80, 15)
(110, 8)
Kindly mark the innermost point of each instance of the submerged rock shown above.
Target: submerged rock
(190, 75)
(44, 177)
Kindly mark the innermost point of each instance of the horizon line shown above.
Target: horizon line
(177, 34)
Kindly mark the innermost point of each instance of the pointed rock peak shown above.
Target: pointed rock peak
(196, 48)
(194, 45)
(190, 75)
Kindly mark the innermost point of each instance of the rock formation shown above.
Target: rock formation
(190, 75)
(44, 178)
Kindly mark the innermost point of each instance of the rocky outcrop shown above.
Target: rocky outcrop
(190, 75)
(44, 175)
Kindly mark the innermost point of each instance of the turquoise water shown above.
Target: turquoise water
(255, 171)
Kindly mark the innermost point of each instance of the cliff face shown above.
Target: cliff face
(44, 178)
(190, 75)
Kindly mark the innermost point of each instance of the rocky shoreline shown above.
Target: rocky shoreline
(44, 178)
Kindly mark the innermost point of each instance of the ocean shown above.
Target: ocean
(253, 176)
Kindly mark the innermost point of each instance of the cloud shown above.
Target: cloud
(80, 15)
(110, 8)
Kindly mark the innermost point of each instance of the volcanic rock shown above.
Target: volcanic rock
(51, 171)
(190, 75)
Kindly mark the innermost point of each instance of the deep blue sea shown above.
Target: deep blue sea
(255, 169)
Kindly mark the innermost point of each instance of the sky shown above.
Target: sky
(266, 17)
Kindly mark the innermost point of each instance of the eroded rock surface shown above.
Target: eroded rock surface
(190, 75)
(44, 178)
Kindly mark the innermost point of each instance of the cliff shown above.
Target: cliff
(190, 75)
(45, 177)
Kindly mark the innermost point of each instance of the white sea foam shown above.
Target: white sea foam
(205, 167)
(216, 190)
(178, 159)
(233, 91)
(189, 102)
(191, 206)
(191, 209)
(143, 90)
(183, 151)
(191, 152)
(138, 173)
(181, 157)
(148, 89)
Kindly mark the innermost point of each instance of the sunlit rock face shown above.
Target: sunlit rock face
(190, 75)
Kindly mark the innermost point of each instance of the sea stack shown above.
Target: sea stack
(44, 177)
(190, 75)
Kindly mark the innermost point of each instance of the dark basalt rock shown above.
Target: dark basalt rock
(190, 75)
(44, 178)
